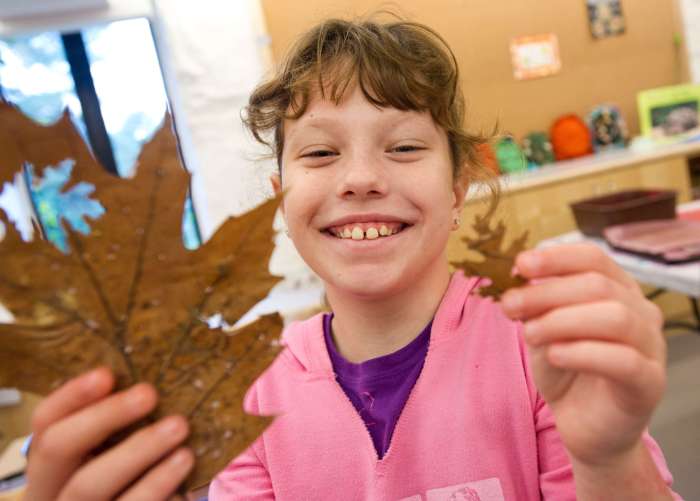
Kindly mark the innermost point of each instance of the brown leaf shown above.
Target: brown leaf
(497, 262)
(130, 296)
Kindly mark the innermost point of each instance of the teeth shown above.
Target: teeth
(371, 233)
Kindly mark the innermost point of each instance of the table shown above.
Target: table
(683, 278)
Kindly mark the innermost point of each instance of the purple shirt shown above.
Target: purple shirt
(379, 388)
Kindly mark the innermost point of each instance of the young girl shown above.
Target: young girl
(414, 387)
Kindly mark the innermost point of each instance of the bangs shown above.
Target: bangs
(391, 67)
(398, 64)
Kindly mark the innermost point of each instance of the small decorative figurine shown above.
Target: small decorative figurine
(570, 137)
(608, 128)
(538, 150)
(510, 157)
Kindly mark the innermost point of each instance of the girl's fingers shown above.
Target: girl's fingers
(122, 464)
(61, 448)
(534, 300)
(161, 481)
(570, 259)
(606, 321)
(551, 381)
(72, 396)
(642, 379)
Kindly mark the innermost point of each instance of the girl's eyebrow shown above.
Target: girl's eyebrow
(390, 121)
(318, 123)
(394, 119)
(321, 123)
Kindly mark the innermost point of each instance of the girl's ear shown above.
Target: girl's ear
(459, 189)
(276, 183)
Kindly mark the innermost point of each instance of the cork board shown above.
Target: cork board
(610, 70)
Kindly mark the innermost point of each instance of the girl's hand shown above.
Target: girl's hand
(597, 349)
(77, 418)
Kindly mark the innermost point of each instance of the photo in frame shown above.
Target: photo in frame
(535, 56)
(669, 111)
(605, 18)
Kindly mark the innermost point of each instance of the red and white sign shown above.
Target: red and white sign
(535, 56)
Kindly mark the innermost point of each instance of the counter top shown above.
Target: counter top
(590, 164)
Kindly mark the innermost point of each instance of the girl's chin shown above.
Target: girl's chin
(371, 284)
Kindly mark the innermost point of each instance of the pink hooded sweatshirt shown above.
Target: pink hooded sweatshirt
(473, 428)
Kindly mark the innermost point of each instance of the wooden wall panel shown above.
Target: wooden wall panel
(544, 210)
(479, 31)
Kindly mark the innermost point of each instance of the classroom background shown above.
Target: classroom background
(596, 101)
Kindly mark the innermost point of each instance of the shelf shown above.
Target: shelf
(591, 164)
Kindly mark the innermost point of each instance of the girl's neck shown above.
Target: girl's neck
(366, 328)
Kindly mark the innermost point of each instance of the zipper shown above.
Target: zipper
(380, 464)
(357, 417)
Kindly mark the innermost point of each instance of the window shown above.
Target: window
(109, 77)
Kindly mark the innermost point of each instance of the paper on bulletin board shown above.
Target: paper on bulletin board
(671, 111)
(605, 18)
(535, 56)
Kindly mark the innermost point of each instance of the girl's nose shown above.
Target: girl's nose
(362, 177)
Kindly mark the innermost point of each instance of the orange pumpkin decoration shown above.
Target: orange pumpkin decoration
(488, 157)
(570, 137)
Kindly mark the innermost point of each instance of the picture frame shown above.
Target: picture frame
(670, 111)
(605, 18)
(535, 56)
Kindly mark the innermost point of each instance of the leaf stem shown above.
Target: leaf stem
(138, 272)
(97, 286)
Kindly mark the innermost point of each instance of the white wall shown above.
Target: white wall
(690, 11)
(216, 51)
(213, 53)
(217, 54)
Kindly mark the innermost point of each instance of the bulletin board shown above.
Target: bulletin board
(610, 70)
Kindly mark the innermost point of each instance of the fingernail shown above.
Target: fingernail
(530, 331)
(172, 425)
(93, 377)
(138, 396)
(513, 303)
(182, 457)
(530, 260)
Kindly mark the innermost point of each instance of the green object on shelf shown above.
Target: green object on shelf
(608, 128)
(510, 157)
(669, 111)
(677, 39)
(538, 150)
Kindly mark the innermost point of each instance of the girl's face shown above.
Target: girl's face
(370, 198)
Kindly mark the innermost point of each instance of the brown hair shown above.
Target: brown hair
(402, 64)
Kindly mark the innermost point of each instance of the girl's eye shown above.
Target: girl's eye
(319, 154)
(406, 148)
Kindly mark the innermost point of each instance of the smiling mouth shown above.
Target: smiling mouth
(365, 231)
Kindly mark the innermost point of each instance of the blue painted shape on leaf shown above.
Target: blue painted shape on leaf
(54, 206)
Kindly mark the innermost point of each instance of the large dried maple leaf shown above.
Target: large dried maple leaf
(497, 262)
(129, 295)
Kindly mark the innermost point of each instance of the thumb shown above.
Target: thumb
(552, 382)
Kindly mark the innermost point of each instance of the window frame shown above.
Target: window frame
(116, 10)
(121, 10)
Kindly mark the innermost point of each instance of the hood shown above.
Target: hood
(305, 343)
